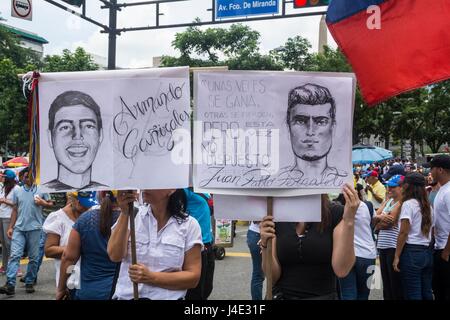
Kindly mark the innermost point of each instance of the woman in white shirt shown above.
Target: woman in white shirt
(355, 285)
(414, 255)
(168, 247)
(58, 226)
(8, 177)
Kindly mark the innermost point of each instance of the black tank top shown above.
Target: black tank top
(306, 270)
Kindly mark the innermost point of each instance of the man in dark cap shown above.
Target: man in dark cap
(440, 171)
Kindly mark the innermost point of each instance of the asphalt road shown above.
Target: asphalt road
(231, 279)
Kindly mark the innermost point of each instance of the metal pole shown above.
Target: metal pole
(133, 248)
(112, 35)
(56, 4)
(269, 258)
(157, 14)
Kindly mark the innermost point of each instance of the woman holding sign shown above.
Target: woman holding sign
(308, 256)
(168, 247)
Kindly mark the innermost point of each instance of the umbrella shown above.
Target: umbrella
(16, 162)
(363, 154)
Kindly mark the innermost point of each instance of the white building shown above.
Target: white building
(28, 39)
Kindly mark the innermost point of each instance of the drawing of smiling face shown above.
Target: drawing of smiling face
(76, 138)
(311, 130)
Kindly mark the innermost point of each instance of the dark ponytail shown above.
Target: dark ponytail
(420, 194)
(9, 185)
(177, 205)
(325, 213)
(106, 214)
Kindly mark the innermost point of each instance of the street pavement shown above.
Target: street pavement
(231, 279)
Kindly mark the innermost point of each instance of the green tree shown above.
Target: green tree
(294, 55)
(10, 49)
(437, 117)
(14, 60)
(13, 109)
(237, 47)
(410, 118)
(78, 60)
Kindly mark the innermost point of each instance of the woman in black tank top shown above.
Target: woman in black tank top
(308, 256)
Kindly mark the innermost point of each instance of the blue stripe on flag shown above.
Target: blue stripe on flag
(340, 9)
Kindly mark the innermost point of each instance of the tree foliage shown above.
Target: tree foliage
(14, 60)
(236, 47)
(10, 49)
(294, 55)
(436, 130)
(79, 60)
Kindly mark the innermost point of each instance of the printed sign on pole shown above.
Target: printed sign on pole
(226, 9)
(22, 9)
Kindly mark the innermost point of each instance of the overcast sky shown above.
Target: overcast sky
(136, 49)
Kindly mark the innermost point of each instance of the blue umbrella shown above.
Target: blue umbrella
(363, 154)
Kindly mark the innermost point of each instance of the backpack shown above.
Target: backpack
(371, 211)
(370, 206)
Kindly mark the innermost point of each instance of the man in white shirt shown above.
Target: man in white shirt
(440, 171)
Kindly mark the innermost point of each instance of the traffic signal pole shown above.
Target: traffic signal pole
(112, 43)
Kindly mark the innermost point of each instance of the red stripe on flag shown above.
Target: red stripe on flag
(411, 50)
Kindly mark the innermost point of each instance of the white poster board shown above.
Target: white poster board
(272, 133)
(285, 209)
(114, 129)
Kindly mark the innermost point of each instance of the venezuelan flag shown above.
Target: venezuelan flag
(398, 46)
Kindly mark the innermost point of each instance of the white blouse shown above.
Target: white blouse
(411, 211)
(160, 251)
(60, 224)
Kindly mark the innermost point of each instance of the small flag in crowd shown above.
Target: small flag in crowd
(406, 47)
(32, 80)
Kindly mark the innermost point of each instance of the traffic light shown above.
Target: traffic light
(76, 3)
(310, 3)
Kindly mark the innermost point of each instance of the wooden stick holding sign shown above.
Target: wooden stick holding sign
(133, 247)
(268, 256)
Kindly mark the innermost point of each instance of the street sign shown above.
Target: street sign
(22, 9)
(237, 8)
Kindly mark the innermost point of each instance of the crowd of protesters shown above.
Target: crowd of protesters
(411, 226)
(396, 212)
(88, 238)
